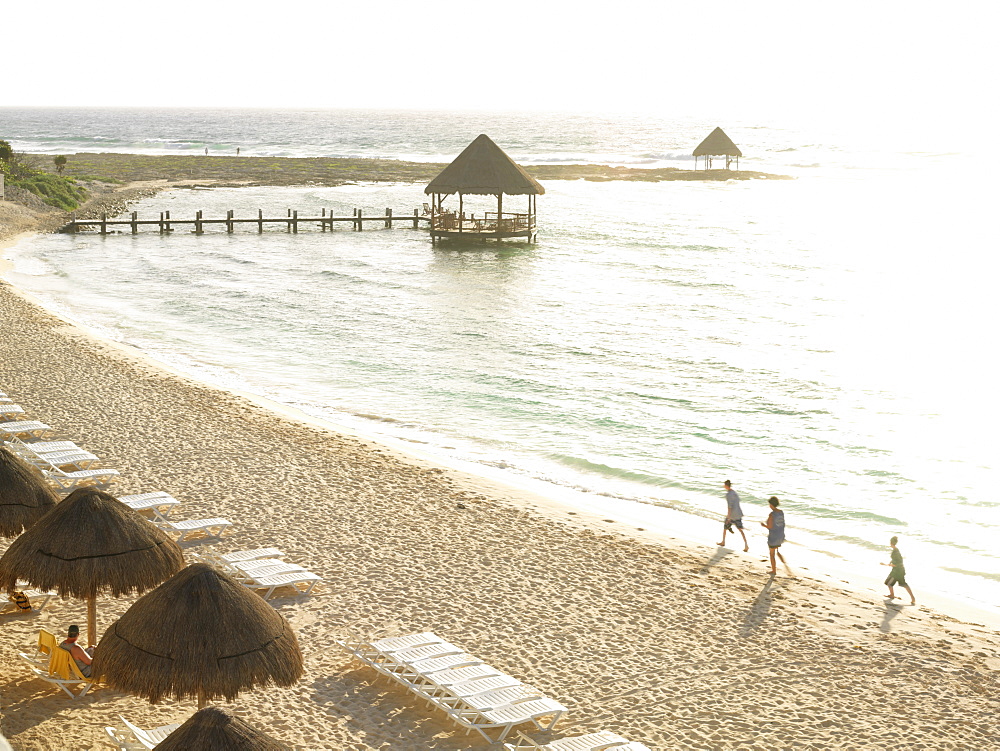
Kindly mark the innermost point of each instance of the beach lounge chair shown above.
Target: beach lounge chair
(187, 526)
(276, 581)
(158, 503)
(61, 459)
(36, 597)
(43, 651)
(45, 447)
(9, 409)
(455, 694)
(67, 482)
(503, 719)
(262, 567)
(62, 671)
(29, 428)
(122, 741)
(149, 738)
(599, 741)
(249, 555)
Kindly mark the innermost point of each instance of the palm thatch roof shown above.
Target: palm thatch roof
(24, 495)
(218, 729)
(91, 542)
(484, 169)
(199, 634)
(717, 144)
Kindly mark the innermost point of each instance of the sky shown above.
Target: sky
(886, 60)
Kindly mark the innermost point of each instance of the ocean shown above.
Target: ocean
(823, 339)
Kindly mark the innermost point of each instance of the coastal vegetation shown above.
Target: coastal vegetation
(20, 171)
(232, 170)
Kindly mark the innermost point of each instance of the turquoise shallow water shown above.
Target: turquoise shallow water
(818, 339)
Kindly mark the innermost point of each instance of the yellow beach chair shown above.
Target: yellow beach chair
(63, 672)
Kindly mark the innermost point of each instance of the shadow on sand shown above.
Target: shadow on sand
(761, 607)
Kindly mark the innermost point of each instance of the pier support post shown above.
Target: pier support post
(229, 221)
(295, 221)
(167, 213)
(197, 223)
(416, 216)
(388, 217)
(104, 224)
(135, 227)
(322, 220)
(260, 221)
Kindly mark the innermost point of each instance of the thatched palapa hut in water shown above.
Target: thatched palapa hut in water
(483, 169)
(717, 144)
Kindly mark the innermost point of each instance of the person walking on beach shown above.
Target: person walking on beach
(734, 516)
(898, 573)
(775, 525)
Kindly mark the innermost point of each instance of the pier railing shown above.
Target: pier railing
(291, 222)
(489, 223)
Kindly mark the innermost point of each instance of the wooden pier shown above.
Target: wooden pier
(326, 221)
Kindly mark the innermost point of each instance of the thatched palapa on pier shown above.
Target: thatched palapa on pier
(24, 495)
(199, 634)
(717, 143)
(218, 729)
(483, 169)
(87, 544)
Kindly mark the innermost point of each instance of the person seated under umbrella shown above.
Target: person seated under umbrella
(81, 656)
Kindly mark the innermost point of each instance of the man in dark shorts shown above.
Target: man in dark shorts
(898, 573)
(734, 516)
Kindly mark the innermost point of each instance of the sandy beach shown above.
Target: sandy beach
(674, 643)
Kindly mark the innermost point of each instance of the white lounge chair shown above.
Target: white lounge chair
(9, 409)
(41, 455)
(37, 597)
(123, 741)
(62, 671)
(187, 526)
(262, 567)
(599, 741)
(62, 459)
(30, 428)
(67, 482)
(249, 555)
(160, 504)
(149, 738)
(453, 695)
(276, 581)
(504, 719)
(45, 447)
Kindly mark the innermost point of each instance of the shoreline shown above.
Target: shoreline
(569, 602)
(652, 522)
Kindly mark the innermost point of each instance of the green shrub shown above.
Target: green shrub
(56, 191)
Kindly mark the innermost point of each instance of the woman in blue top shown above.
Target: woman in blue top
(775, 526)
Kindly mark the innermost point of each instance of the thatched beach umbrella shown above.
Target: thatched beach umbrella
(717, 143)
(200, 633)
(24, 495)
(90, 543)
(483, 169)
(218, 729)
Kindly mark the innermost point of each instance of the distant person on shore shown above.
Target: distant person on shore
(237, 151)
(734, 516)
(775, 525)
(206, 151)
(81, 656)
(898, 573)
